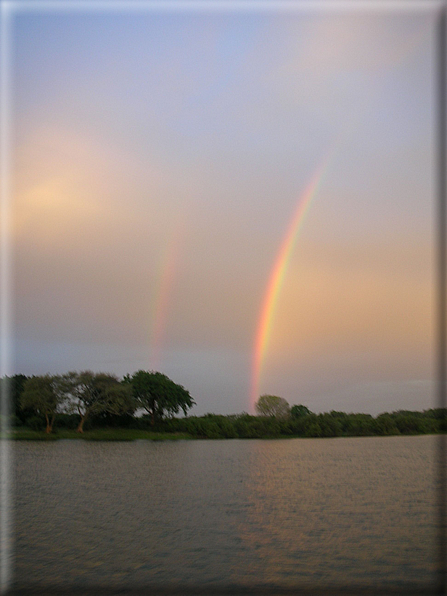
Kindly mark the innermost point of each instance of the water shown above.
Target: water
(286, 513)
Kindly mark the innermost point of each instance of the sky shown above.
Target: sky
(244, 200)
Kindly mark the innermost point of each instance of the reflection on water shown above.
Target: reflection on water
(351, 511)
(297, 512)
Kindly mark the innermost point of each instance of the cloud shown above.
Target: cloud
(72, 188)
(334, 67)
(358, 41)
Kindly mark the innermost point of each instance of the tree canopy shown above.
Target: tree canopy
(158, 394)
(272, 405)
(45, 395)
(299, 410)
(91, 393)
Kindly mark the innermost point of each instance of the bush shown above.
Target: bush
(268, 427)
(385, 425)
(66, 421)
(211, 430)
(14, 421)
(298, 426)
(36, 423)
(226, 427)
(359, 425)
(330, 426)
(313, 430)
(108, 420)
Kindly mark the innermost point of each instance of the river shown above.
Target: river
(225, 514)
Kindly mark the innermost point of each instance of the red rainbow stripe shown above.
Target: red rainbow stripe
(276, 279)
(162, 298)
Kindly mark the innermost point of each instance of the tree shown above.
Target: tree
(299, 411)
(272, 405)
(91, 393)
(11, 390)
(158, 394)
(45, 395)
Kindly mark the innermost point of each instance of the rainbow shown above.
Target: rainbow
(162, 295)
(277, 275)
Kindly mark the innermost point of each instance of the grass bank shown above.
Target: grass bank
(102, 434)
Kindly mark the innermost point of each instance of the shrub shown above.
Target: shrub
(36, 423)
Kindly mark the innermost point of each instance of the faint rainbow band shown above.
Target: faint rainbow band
(163, 294)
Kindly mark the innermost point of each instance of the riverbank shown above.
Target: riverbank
(125, 434)
(101, 434)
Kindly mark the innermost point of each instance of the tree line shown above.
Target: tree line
(149, 400)
(87, 396)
